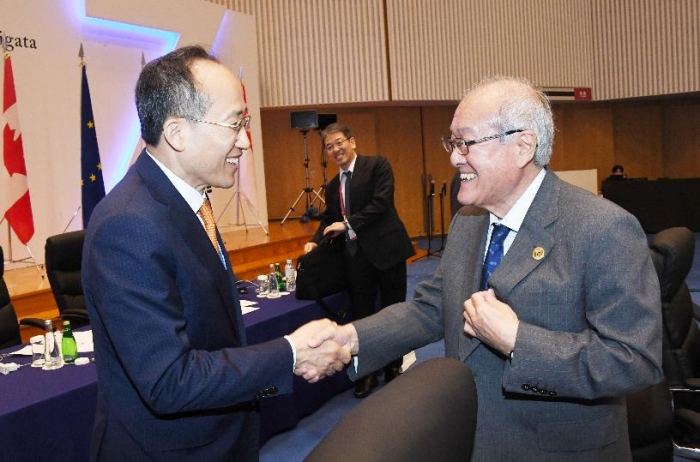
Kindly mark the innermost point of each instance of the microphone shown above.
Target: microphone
(432, 188)
(443, 191)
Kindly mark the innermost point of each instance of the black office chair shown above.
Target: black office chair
(426, 414)
(672, 251)
(9, 326)
(64, 254)
(650, 424)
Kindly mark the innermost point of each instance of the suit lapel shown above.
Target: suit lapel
(534, 241)
(471, 274)
(185, 221)
(358, 178)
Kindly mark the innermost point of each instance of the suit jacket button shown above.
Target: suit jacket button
(526, 387)
(273, 390)
(552, 394)
(534, 389)
(543, 392)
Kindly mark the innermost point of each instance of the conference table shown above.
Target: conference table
(48, 415)
(658, 204)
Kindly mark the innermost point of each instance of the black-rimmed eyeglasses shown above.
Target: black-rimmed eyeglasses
(242, 123)
(462, 145)
(335, 144)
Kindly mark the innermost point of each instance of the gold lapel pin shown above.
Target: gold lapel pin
(538, 253)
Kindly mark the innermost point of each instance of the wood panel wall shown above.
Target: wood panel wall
(681, 139)
(651, 139)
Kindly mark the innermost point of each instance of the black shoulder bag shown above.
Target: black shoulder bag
(321, 272)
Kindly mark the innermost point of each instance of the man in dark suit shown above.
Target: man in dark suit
(176, 378)
(377, 244)
(569, 321)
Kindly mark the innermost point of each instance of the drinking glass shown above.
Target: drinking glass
(37, 343)
(262, 287)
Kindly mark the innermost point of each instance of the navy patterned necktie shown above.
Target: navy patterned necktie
(494, 254)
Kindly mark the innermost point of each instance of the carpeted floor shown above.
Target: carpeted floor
(295, 444)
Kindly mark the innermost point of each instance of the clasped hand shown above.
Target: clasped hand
(491, 321)
(320, 351)
(323, 348)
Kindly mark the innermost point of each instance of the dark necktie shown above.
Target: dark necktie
(494, 254)
(346, 200)
(351, 244)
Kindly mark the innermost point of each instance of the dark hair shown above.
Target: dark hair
(618, 168)
(336, 127)
(167, 88)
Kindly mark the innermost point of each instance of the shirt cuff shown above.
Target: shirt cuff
(294, 352)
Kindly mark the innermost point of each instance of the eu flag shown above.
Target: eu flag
(93, 186)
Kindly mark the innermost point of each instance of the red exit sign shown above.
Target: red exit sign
(583, 93)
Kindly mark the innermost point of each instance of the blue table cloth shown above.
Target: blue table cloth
(48, 415)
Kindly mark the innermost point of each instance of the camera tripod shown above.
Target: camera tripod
(241, 196)
(324, 185)
(308, 190)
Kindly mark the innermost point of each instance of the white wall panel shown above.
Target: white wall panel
(439, 48)
(646, 47)
(319, 51)
(341, 51)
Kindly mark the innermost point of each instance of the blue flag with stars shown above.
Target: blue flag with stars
(93, 186)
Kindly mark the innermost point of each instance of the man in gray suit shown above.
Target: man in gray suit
(565, 326)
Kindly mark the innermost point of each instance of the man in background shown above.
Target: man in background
(360, 209)
(618, 173)
(176, 379)
(545, 291)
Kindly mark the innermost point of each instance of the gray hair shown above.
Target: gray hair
(523, 107)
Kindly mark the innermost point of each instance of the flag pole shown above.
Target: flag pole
(81, 63)
(72, 218)
(9, 243)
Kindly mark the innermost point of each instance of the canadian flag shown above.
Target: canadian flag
(14, 200)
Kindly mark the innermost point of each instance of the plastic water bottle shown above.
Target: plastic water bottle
(289, 274)
(274, 285)
(52, 353)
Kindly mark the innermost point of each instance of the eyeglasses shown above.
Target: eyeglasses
(462, 145)
(242, 123)
(336, 144)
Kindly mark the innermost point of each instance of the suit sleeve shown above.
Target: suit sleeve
(620, 350)
(331, 213)
(382, 182)
(398, 329)
(135, 282)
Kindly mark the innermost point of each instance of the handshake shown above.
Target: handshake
(323, 348)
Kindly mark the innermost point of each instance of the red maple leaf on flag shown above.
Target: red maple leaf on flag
(15, 203)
